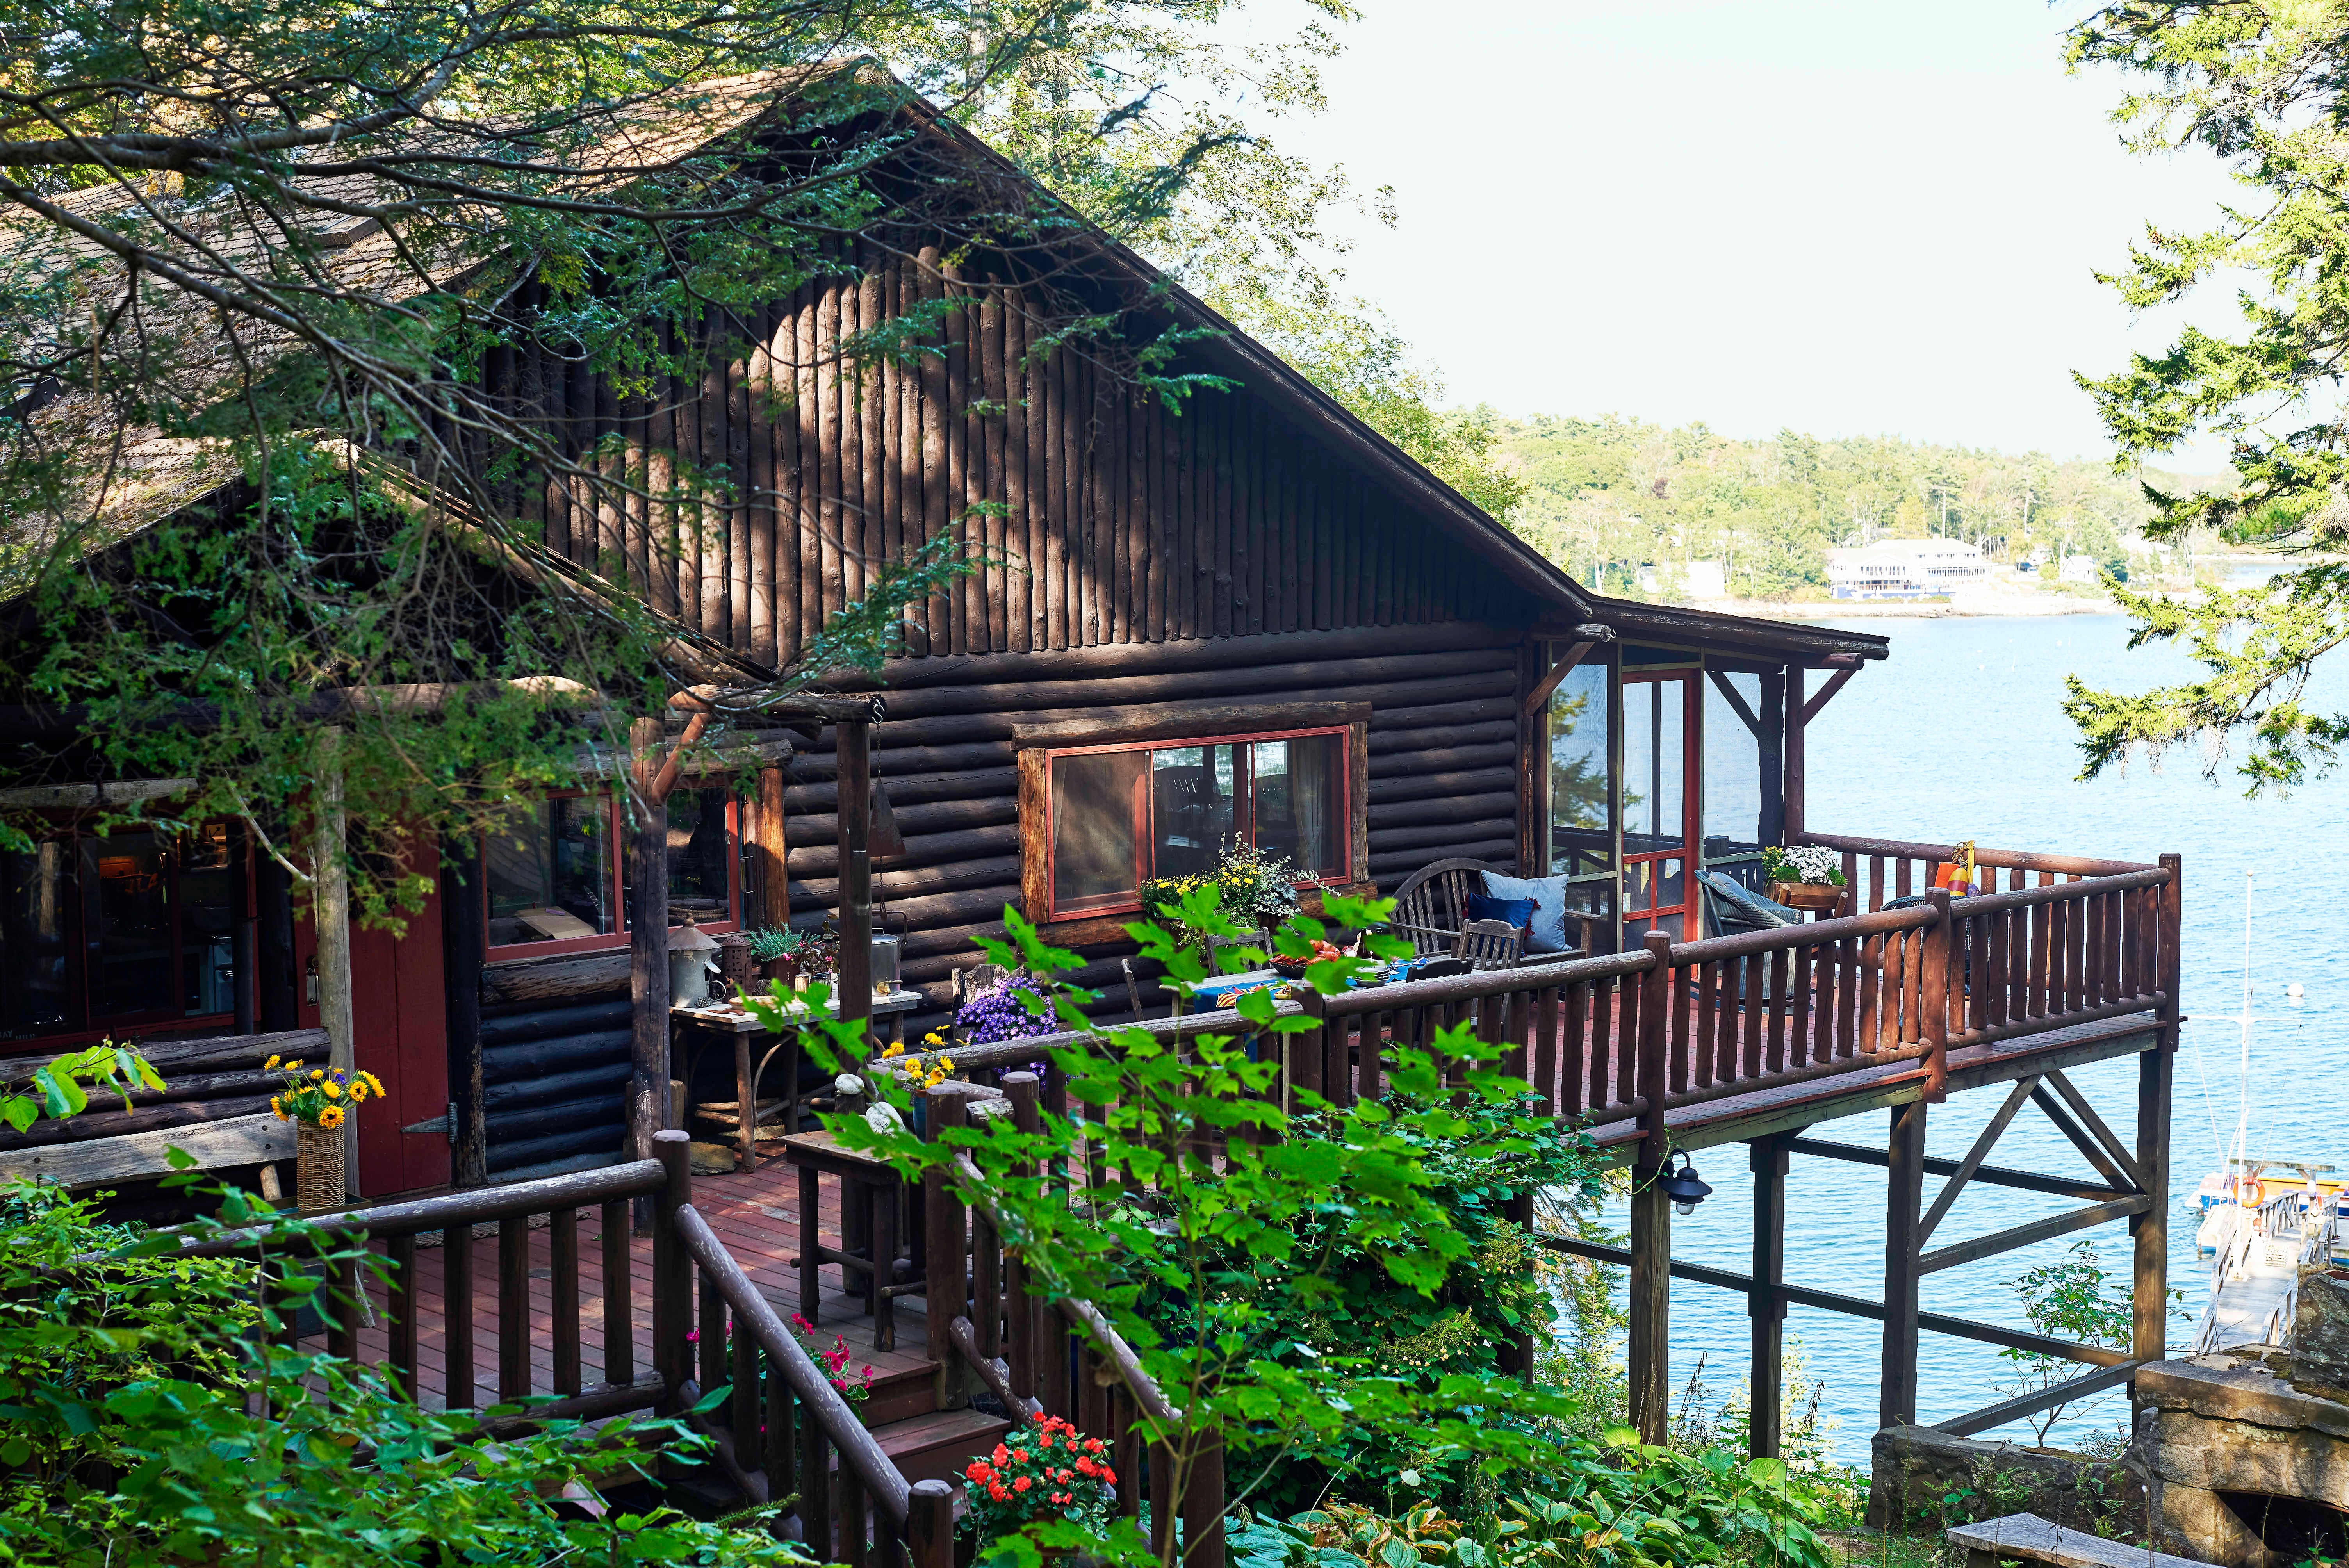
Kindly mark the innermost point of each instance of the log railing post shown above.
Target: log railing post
(946, 1249)
(647, 951)
(1655, 1018)
(929, 1525)
(1941, 946)
(1203, 1506)
(672, 1266)
(1763, 1304)
(1018, 1310)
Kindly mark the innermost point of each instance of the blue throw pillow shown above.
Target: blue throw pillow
(1483, 906)
(1548, 896)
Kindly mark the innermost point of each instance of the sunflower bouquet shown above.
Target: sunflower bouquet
(320, 1096)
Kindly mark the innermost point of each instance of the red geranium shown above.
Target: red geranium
(1031, 1478)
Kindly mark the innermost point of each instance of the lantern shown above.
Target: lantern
(689, 966)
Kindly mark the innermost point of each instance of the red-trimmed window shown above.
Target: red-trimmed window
(119, 935)
(1118, 815)
(556, 880)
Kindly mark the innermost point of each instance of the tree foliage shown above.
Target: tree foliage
(2261, 87)
(255, 263)
(1245, 224)
(1612, 499)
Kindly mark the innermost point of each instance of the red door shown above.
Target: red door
(1660, 748)
(400, 1019)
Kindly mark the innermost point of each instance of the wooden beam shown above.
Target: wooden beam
(2088, 1147)
(1852, 1305)
(1904, 1192)
(1160, 724)
(1763, 1304)
(2095, 1125)
(1728, 689)
(1547, 688)
(2149, 1232)
(2036, 1230)
(257, 1140)
(1974, 1156)
(1650, 1309)
(2028, 1404)
(1827, 691)
(1796, 759)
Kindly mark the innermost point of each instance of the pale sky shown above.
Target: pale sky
(1851, 217)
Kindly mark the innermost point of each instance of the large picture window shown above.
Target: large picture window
(1118, 815)
(131, 928)
(556, 879)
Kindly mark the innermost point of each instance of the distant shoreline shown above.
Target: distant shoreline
(1965, 605)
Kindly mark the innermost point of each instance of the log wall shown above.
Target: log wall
(1444, 747)
(1106, 518)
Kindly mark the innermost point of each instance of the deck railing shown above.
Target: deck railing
(784, 1427)
(1631, 1038)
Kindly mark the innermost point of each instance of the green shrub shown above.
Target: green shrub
(142, 1420)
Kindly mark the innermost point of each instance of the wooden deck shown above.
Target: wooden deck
(755, 1213)
(1790, 1106)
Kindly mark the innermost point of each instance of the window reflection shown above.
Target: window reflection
(1578, 834)
(1292, 796)
(1193, 805)
(1096, 829)
(549, 872)
(1653, 764)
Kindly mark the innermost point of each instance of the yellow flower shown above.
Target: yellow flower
(375, 1084)
(332, 1092)
(317, 1075)
(277, 1107)
(894, 1048)
(270, 1065)
(293, 1067)
(331, 1117)
(946, 1064)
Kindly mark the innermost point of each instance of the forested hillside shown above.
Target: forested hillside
(1606, 498)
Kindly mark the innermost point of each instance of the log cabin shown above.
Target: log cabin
(1296, 634)
(1249, 616)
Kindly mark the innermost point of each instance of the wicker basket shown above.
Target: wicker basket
(318, 1173)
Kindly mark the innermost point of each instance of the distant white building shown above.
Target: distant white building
(2078, 569)
(1905, 569)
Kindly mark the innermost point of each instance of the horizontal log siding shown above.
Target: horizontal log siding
(947, 756)
(553, 1071)
(1121, 522)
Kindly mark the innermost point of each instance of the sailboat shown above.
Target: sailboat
(2260, 1230)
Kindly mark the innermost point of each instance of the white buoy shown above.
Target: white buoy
(2294, 991)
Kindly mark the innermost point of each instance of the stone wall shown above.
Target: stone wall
(2246, 1457)
(1916, 1472)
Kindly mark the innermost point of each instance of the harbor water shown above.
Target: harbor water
(1960, 735)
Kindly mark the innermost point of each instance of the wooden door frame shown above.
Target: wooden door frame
(1691, 678)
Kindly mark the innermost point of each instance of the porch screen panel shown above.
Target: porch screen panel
(1098, 804)
(1655, 793)
(1738, 792)
(698, 850)
(1294, 788)
(1579, 838)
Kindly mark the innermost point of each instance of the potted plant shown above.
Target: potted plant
(776, 950)
(317, 1102)
(1803, 876)
(1044, 1473)
(1254, 888)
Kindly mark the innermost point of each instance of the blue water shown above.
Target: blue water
(1960, 735)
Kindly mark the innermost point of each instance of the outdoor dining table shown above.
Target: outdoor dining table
(724, 1019)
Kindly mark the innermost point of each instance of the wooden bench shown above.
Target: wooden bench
(2027, 1537)
(213, 1106)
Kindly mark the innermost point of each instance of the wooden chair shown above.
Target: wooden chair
(1491, 945)
(1430, 907)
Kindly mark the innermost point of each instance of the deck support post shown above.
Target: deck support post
(647, 951)
(1904, 1201)
(672, 1267)
(1763, 1304)
(1795, 758)
(1651, 1325)
(2155, 1070)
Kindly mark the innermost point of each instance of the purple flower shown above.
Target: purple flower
(997, 1012)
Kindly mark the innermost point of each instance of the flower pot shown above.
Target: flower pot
(1807, 895)
(319, 1186)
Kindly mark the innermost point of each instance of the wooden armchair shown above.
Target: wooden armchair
(1431, 908)
(1492, 945)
